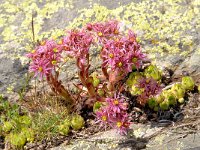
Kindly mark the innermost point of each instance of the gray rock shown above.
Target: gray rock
(191, 66)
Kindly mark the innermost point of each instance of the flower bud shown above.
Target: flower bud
(153, 72)
(188, 83)
(96, 80)
(89, 26)
(77, 122)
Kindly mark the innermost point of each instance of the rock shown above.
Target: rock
(191, 66)
(173, 141)
(12, 77)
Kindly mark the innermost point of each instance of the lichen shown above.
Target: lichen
(160, 29)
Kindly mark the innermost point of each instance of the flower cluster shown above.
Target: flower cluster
(114, 114)
(77, 44)
(45, 58)
(122, 54)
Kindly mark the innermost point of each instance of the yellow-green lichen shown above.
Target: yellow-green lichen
(167, 26)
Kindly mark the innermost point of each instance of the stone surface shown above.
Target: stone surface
(191, 66)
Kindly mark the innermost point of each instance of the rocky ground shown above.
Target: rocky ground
(169, 32)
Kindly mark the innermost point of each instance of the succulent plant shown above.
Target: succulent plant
(156, 108)
(28, 133)
(64, 129)
(136, 90)
(133, 78)
(133, 81)
(164, 105)
(152, 103)
(178, 90)
(1, 129)
(96, 106)
(7, 126)
(160, 98)
(67, 122)
(77, 122)
(16, 139)
(153, 72)
(188, 83)
(25, 120)
(172, 100)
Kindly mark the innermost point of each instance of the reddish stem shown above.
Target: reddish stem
(59, 89)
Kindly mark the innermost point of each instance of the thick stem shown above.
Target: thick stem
(65, 94)
(59, 89)
(84, 77)
(85, 81)
(105, 73)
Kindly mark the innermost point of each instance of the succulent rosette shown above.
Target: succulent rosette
(153, 72)
(188, 83)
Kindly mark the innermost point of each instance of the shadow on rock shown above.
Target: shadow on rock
(133, 143)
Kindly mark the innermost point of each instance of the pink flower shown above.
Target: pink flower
(45, 58)
(105, 30)
(103, 117)
(122, 55)
(114, 114)
(41, 68)
(122, 124)
(77, 44)
(116, 104)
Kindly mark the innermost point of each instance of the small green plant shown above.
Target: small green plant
(172, 96)
(16, 127)
(46, 124)
(188, 83)
(64, 127)
(17, 140)
(153, 72)
(77, 122)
